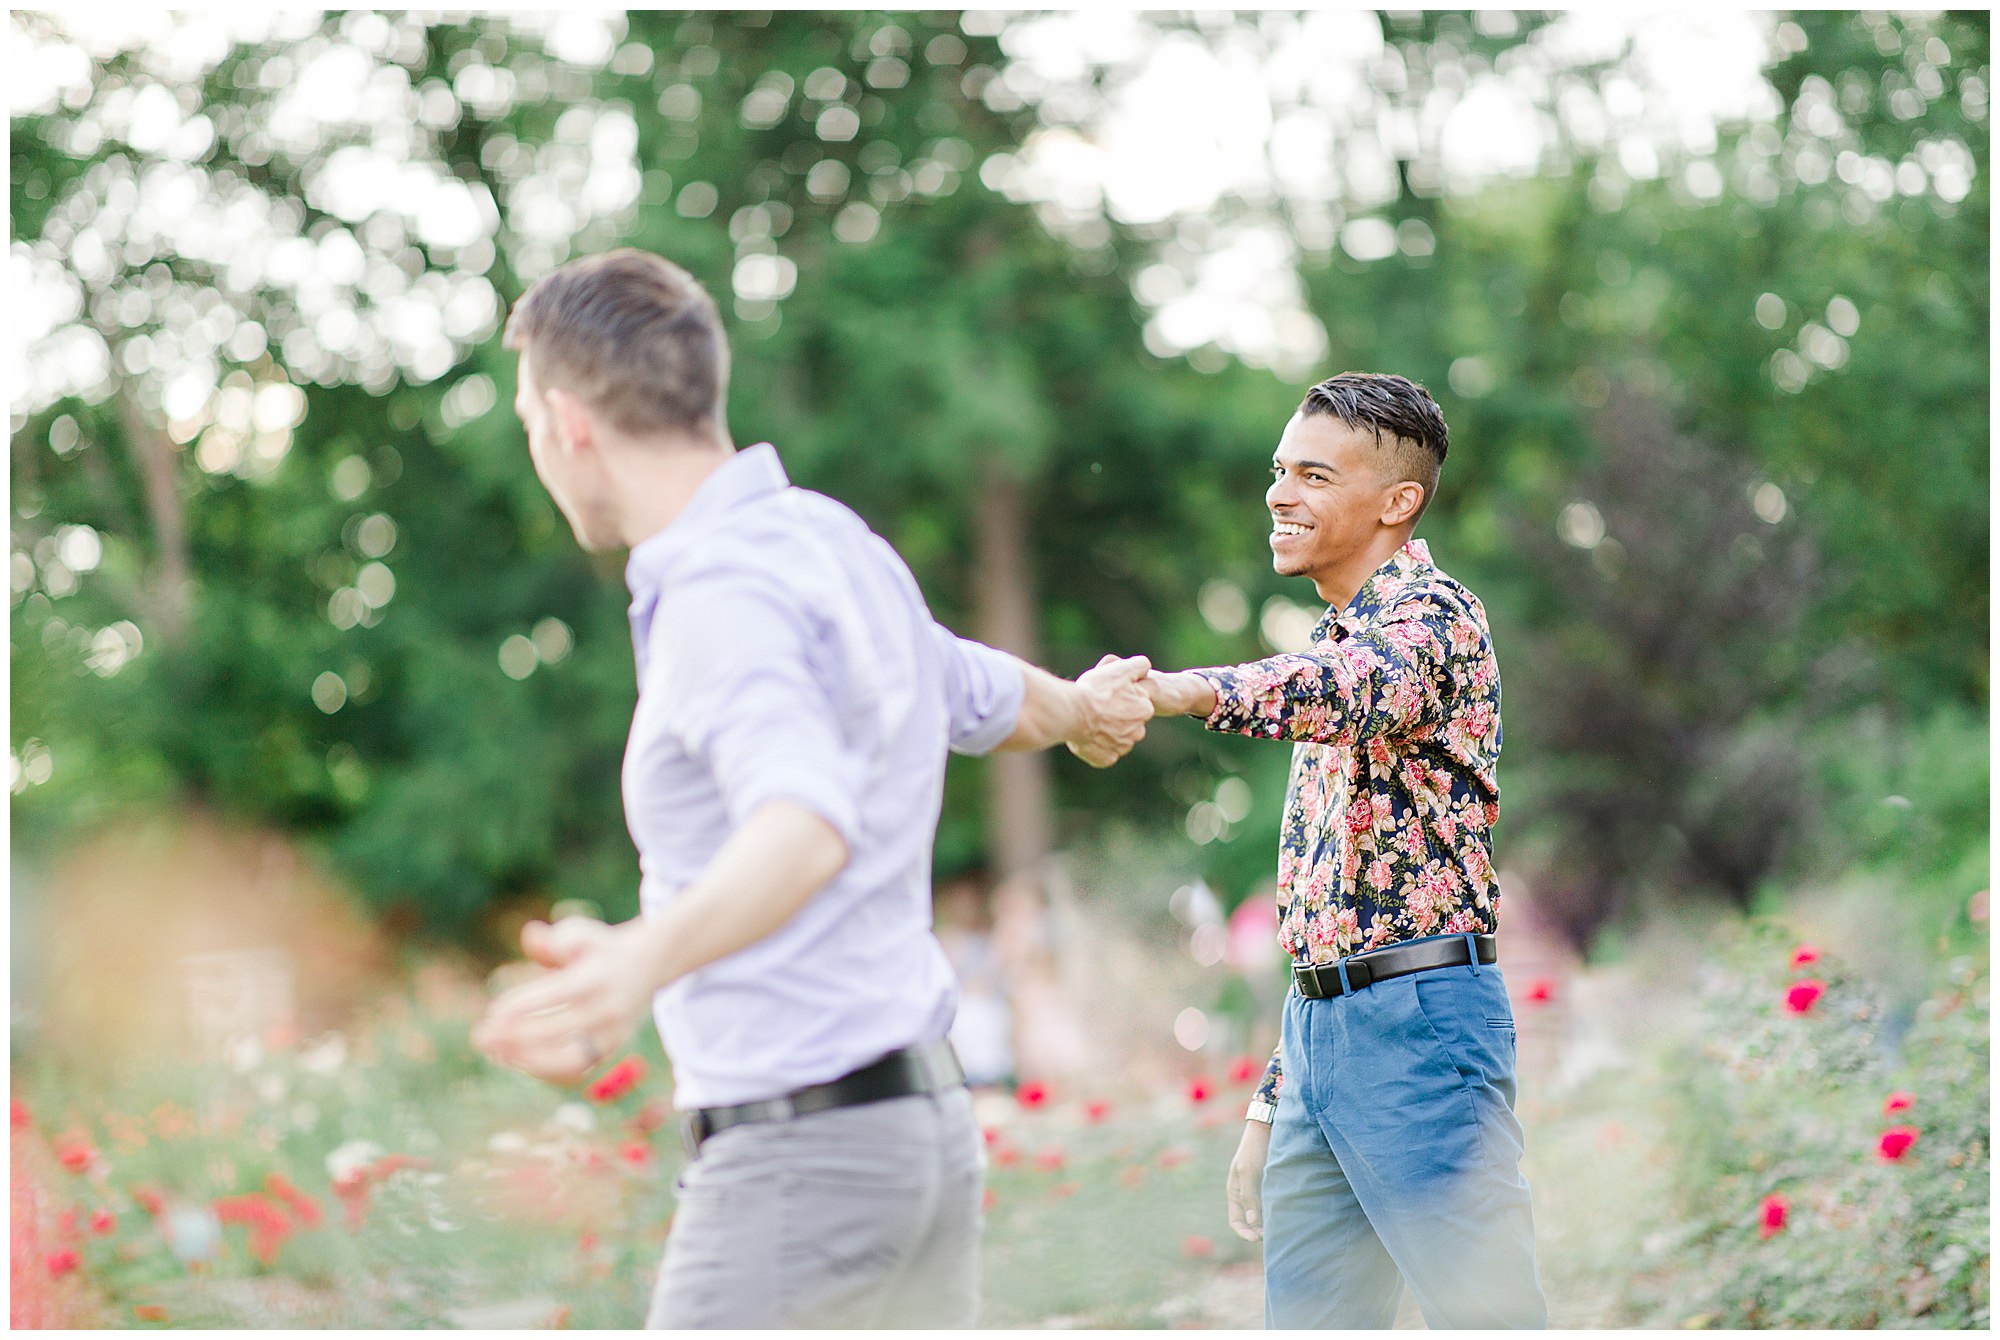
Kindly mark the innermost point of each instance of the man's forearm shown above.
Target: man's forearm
(768, 870)
(1181, 693)
(1051, 710)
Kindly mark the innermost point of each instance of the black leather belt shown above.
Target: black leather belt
(925, 1069)
(1318, 981)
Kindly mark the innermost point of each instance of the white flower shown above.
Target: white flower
(351, 1158)
(324, 1054)
(574, 1117)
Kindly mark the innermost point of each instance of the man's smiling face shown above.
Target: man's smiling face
(1328, 499)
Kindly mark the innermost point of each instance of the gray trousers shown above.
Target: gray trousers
(856, 1218)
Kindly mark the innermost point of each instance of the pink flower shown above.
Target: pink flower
(18, 1114)
(1244, 1069)
(1005, 1156)
(1804, 994)
(636, 1152)
(1895, 1143)
(1805, 954)
(1540, 991)
(986, 1201)
(1776, 1209)
(1096, 1110)
(1032, 1094)
(75, 1151)
(992, 1136)
(1173, 1156)
(103, 1222)
(1062, 1191)
(616, 1082)
(62, 1262)
(1051, 1159)
(1195, 1245)
(1900, 1101)
(1199, 1089)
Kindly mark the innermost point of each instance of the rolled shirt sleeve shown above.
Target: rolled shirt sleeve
(1390, 681)
(753, 703)
(983, 690)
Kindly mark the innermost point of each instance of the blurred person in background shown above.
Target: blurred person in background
(1382, 1146)
(782, 782)
(981, 1034)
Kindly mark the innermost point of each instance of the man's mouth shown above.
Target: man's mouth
(1287, 528)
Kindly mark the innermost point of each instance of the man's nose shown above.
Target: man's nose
(1279, 492)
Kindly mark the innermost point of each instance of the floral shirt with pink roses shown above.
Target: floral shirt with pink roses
(1395, 715)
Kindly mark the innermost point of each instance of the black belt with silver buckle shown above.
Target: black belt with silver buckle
(912, 1070)
(1319, 981)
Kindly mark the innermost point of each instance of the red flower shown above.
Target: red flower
(586, 1242)
(1804, 994)
(986, 1201)
(992, 1135)
(636, 1152)
(1050, 1159)
(651, 1117)
(1096, 1110)
(616, 1082)
(1005, 1156)
(66, 1224)
(302, 1206)
(1540, 991)
(1032, 1095)
(149, 1311)
(1194, 1244)
(150, 1200)
(75, 1151)
(62, 1262)
(388, 1164)
(1199, 1089)
(1900, 1101)
(1776, 1209)
(1244, 1069)
(103, 1222)
(1895, 1143)
(18, 1114)
(1805, 954)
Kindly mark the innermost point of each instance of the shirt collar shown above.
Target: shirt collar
(1387, 582)
(751, 473)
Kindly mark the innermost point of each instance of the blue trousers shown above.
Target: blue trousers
(1395, 1157)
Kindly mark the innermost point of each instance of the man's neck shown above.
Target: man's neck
(1339, 589)
(657, 480)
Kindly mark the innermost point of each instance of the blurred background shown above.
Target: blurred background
(314, 699)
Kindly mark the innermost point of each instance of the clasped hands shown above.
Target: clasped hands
(1119, 695)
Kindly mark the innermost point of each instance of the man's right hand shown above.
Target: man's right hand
(1246, 1181)
(1113, 708)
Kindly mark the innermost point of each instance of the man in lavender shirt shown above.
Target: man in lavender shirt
(782, 783)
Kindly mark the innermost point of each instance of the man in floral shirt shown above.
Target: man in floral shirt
(1382, 1146)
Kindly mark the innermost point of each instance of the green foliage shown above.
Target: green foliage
(1660, 354)
(1772, 1102)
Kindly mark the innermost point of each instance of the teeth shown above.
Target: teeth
(1286, 528)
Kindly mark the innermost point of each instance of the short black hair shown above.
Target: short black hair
(1391, 406)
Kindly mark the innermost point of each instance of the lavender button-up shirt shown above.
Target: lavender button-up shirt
(784, 651)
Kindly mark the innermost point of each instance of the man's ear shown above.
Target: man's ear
(573, 422)
(1403, 501)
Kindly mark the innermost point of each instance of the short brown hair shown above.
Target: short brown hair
(1383, 403)
(633, 334)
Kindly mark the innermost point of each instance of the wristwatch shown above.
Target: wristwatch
(1264, 1112)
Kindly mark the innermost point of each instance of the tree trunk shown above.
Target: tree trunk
(1017, 814)
(158, 464)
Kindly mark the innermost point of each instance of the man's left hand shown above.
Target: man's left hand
(560, 1026)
